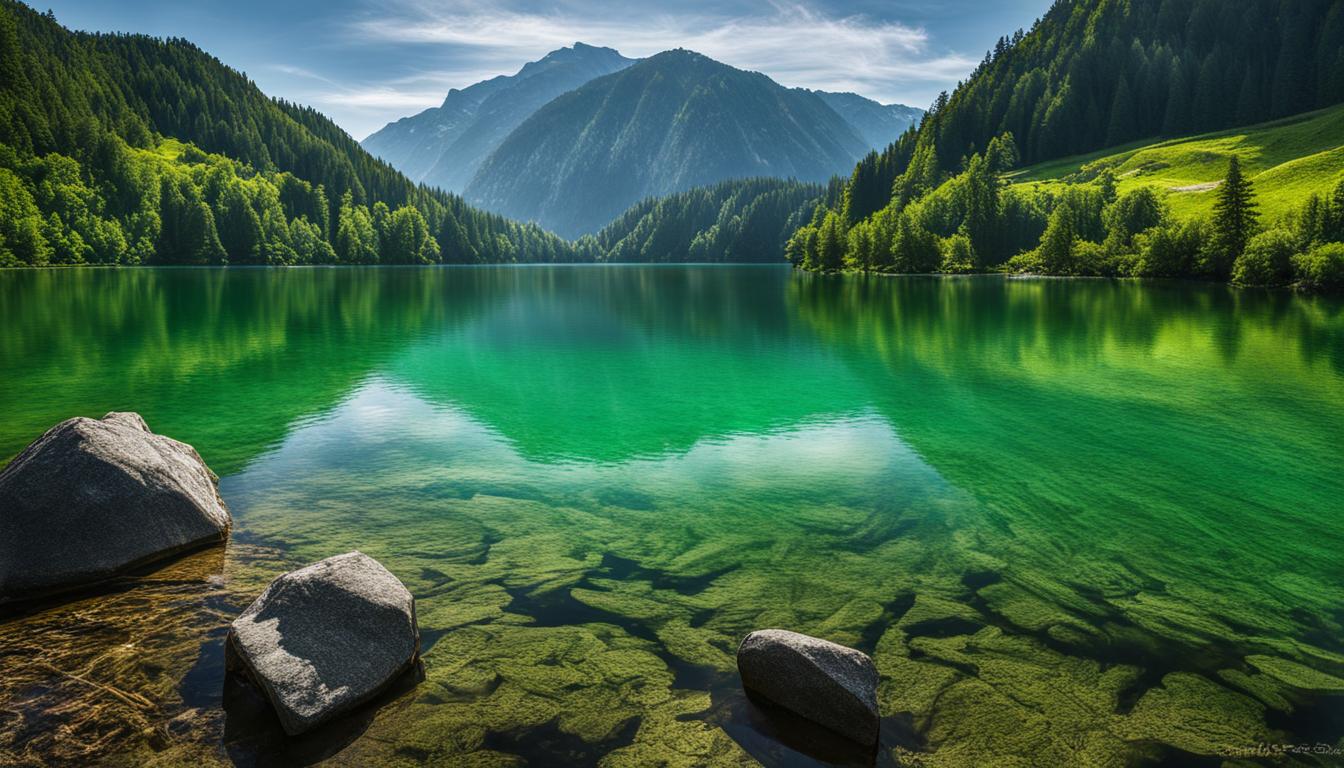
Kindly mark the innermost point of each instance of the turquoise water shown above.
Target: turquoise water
(1075, 522)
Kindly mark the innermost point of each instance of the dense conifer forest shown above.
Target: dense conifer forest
(125, 149)
(1099, 73)
(1093, 74)
(737, 221)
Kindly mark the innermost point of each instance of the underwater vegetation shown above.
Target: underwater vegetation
(1073, 522)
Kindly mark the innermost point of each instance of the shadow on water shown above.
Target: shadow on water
(193, 566)
(621, 569)
(772, 735)
(778, 738)
(559, 608)
(985, 379)
(253, 736)
(547, 744)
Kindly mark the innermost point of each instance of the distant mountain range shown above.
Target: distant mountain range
(573, 140)
(445, 145)
(878, 124)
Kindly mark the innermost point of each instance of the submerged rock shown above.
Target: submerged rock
(323, 639)
(93, 498)
(826, 683)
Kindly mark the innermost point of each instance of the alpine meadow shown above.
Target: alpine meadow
(445, 383)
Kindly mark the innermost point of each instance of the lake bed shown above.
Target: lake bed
(1074, 522)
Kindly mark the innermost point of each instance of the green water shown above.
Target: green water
(1075, 522)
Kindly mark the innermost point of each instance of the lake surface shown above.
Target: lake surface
(1074, 522)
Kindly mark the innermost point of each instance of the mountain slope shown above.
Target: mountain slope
(444, 146)
(1097, 73)
(1286, 161)
(743, 220)
(1257, 206)
(669, 123)
(130, 149)
(878, 124)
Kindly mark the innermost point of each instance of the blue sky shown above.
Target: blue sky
(365, 62)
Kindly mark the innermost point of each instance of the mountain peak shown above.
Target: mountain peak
(578, 49)
(681, 54)
(674, 121)
(443, 146)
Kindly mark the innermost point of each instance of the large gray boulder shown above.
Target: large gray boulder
(324, 639)
(829, 684)
(94, 498)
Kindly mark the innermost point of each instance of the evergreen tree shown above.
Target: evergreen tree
(1123, 115)
(914, 248)
(1056, 254)
(356, 239)
(238, 225)
(831, 243)
(980, 198)
(1234, 215)
(859, 250)
(1137, 211)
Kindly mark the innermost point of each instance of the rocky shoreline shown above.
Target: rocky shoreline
(91, 500)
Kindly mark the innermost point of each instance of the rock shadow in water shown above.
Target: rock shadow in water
(778, 738)
(546, 744)
(254, 737)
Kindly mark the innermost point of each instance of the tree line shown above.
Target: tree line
(134, 150)
(732, 221)
(974, 221)
(1095, 73)
(124, 149)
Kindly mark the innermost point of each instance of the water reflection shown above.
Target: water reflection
(1074, 521)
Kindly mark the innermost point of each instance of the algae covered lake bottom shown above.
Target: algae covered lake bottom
(1074, 522)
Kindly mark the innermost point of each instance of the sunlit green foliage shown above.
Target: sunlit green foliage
(1085, 227)
(1267, 259)
(1322, 267)
(124, 149)
(1096, 73)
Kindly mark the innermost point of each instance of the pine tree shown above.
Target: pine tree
(1056, 253)
(831, 242)
(980, 196)
(1122, 115)
(1177, 119)
(1234, 218)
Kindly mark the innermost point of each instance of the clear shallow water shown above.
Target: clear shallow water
(1075, 522)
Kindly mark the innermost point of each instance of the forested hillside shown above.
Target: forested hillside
(734, 221)
(129, 149)
(877, 124)
(443, 147)
(1098, 73)
(672, 122)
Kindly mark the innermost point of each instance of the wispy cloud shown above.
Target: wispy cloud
(399, 95)
(796, 44)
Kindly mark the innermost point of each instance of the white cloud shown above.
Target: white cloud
(793, 43)
(384, 98)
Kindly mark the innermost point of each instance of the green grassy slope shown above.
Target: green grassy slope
(1287, 160)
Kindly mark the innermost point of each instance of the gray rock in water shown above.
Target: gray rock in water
(826, 683)
(323, 639)
(91, 499)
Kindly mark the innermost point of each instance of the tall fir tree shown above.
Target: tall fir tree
(1234, 214)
